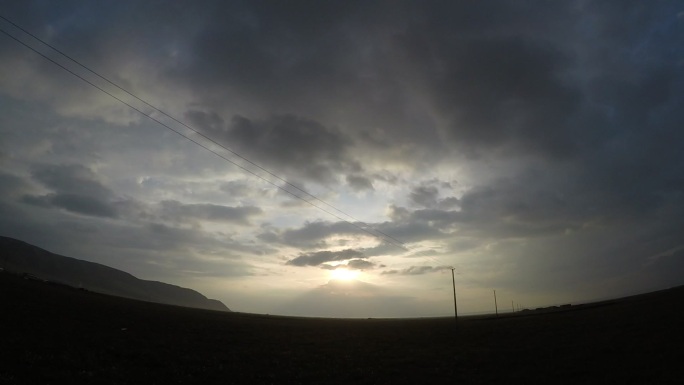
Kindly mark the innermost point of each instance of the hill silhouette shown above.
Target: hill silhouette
(20, 257)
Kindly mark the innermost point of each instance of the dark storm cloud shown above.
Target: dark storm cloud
(526, 77)
(312, 234)
(360, 264)
(431, 194)
(12, 185)
(77, 189)
(235, 189)
(409, 228)
(508, 208)
(267, 50)
(497, 91)
(81, 204)
(501, 73)
(160, 236)
(70, 178)
(543, 78)
(425, 196)
(493, 88)
(327, 63)
(359, 183)
(541, 202)
(177, 212)
(291, 145)
(493, 82)
(320, 257)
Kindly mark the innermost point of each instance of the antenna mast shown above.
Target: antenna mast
(453, 281)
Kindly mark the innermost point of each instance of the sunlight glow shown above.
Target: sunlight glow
(344, 274)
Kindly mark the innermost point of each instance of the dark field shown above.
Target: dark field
(55, 334)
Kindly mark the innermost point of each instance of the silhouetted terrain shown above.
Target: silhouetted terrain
(20, 257)
(57, 334)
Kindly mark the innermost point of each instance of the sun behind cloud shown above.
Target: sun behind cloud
(344, 274)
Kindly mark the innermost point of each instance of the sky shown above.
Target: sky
(339, 159)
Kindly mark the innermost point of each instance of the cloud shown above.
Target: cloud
(360, 264)
(359, 183)
(354, 264)
(177, 212)
(143, 248)
(12, 185)
(77, 190)
(525, 103)
(290, 145)
(235, 188)
(80, 204)
(71, 178)
(546, 135)
(313, 234)
(425, 196)
(320, 257)
(535, 203)
(417, 270)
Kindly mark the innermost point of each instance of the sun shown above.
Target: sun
(344, 274)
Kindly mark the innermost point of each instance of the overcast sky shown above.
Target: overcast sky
(537, 147)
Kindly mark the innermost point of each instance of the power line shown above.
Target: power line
(453, 281)
(365, 228)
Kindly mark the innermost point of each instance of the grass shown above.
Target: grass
(56, 334)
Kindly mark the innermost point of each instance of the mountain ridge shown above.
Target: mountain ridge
(22, 257)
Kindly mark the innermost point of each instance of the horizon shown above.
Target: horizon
(501, 312)
(534, 148)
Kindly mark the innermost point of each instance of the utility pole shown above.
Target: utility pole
(453, 281)
(496, 307)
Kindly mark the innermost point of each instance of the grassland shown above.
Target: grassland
(55, 334)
